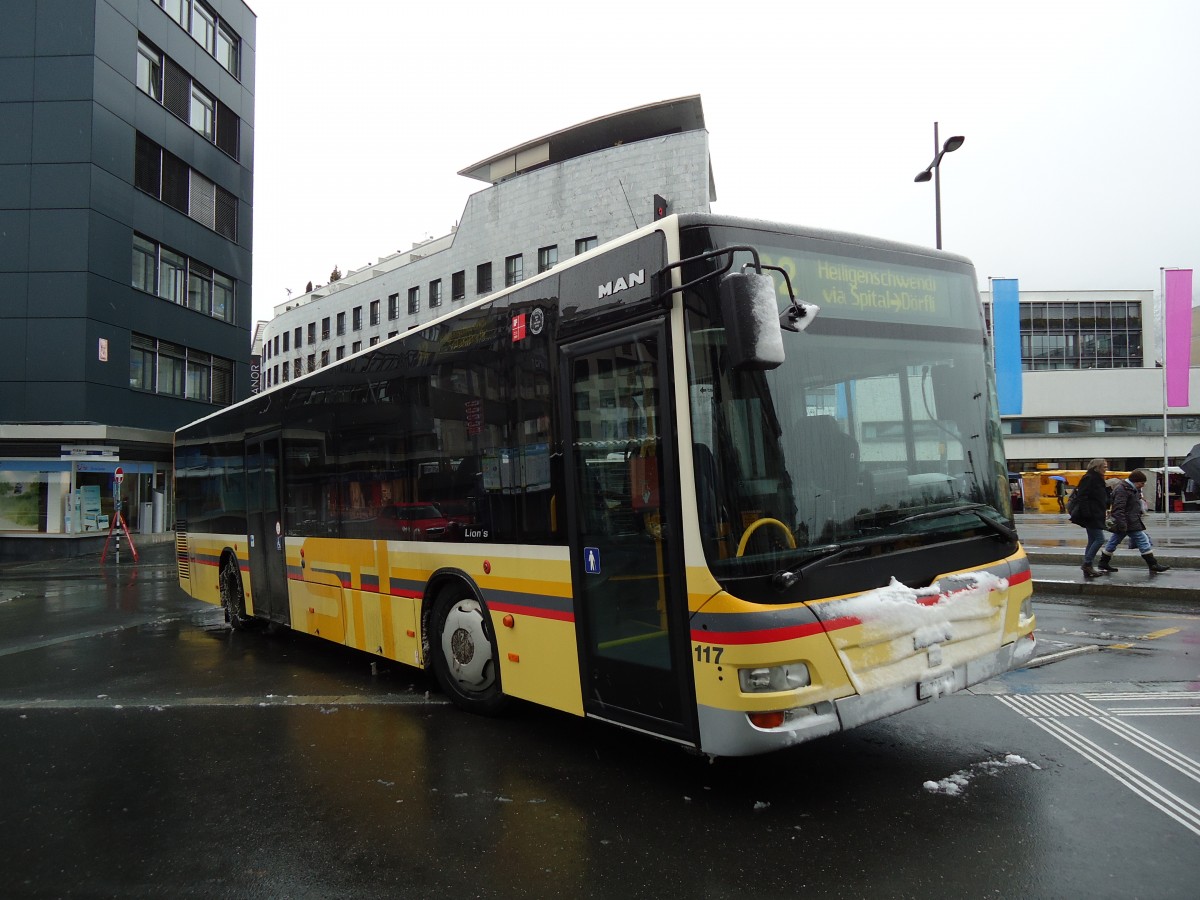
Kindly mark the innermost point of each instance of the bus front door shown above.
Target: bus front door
(264, 519)
(630, 611)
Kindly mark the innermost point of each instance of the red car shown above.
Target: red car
(414, 521)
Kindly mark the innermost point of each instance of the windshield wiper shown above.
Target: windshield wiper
(823, 556)
(975, 509)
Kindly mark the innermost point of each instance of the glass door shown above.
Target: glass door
(630, 603)
(264, 519)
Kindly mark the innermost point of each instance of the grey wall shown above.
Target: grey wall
(69, 112)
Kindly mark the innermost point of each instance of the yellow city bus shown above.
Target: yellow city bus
(730, 483)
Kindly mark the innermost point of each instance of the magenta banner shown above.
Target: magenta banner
(1178, 334)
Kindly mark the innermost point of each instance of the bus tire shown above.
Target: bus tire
(465, 658)
(233, 599)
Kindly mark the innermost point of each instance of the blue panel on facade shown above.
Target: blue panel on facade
(58, 240)
(14, 292)
(63, 78)
(62, 131)
(14, 186)
(58, 295)
(16, 37)
(65, 27)
(60, 186)
(16, 79)
(16, 125)
(14, 240)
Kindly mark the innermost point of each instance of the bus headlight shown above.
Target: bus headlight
(766, 679)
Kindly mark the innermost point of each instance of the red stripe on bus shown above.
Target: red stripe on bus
(558, 615)
(771, 635)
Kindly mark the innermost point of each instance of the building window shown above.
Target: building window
(312, 362)
(392, 334)
(374, 312)
(286, 343)
(1102, 334)
(177, 10)
(204, 26)
(145, 264)
(200, 287)
(324, 358)
(222, 297)
(168, 178)
(199, 376)
(222, 381)
(228, 48)
(312, 333)
(172, 275)
(172, 369)
(514, 270)
(286, 369)
(170, 84)
(583, 245)
(147, 166)
(357, 319)
(325, 328)
(458, 285)
(373, 341)
(356, 346)
(142, 362)
(341, 352)
(296, 335)
(435, 293)
(547, 258)
(149, 69)
(393, 306)
(414, 301)
(341, 323)
(202, 113)
(483, 278)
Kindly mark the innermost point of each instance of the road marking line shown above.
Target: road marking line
(1062, 654)
(1155, 635)
(1153, 746)
(1149, 790)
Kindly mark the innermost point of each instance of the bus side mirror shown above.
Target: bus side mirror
(751, 313)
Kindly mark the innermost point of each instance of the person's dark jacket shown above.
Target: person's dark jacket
(1127, 507)
(1091, 500)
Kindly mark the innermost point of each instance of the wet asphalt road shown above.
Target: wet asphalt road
(149, 752)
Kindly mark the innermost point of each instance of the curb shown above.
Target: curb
(1118, 591)
(1126, 558)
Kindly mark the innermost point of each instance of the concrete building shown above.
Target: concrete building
(1092, 385)
(125, 236)
(548, 199)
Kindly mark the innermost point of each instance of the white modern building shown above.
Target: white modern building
(547, 199)
(1092, 385)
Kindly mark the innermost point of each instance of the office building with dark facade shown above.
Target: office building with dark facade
(125, 266)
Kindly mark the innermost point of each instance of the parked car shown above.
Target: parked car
(414, 521)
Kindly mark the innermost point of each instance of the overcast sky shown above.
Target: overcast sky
(1081, 167)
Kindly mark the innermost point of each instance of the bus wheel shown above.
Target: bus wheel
(465, 657)
(232, 598)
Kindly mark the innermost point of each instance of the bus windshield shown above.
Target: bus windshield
(879, 428)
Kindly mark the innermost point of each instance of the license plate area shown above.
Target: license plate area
(937, 687)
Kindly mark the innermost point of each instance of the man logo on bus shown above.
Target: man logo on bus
(622, 284)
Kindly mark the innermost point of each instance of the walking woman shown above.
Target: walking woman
(1127, 510)
(1089, 505)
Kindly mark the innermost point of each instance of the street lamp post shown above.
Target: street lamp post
(934, 171)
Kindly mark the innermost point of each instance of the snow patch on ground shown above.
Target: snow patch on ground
(954, 785)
